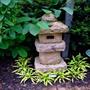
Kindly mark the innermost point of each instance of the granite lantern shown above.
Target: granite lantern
(50, 45)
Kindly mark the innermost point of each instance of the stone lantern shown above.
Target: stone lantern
(50, 45)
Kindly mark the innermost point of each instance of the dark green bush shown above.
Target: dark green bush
(80, 39)
(21, 18)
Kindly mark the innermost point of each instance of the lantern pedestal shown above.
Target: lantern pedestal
(45, 68)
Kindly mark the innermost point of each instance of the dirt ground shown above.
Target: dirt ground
(10, 81)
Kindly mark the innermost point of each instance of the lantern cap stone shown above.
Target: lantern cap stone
(49, 17)
(56, 27)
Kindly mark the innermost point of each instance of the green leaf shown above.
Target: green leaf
(26, 29)
(34, 29)
(4, 45)
(1, 17)
(12, 34)
(8, 22)
(30, 1)
(17, 28)
(0, 25)
(57, 13)
(68, 10)
(5, 2)
(35, 20)
(0, 39)
(14, 53)
(1, 5)
(43, 25)
(47, 11)
(23, 19)
(55, 2)
(21, 37)
(12, 4)
(22, 52)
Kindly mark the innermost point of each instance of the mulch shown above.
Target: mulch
(10, 81)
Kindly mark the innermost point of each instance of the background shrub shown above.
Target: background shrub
(80, 39)
(19, 20)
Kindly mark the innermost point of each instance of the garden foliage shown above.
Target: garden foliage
(80, 31)
(76, 70)
(18, 18)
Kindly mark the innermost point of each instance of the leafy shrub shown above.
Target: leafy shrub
(20, 17)
(10, 29)
(80, 29)
(76, 69)
(80, 36)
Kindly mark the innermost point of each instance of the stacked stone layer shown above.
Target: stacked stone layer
(44, 68)
(49, 58)
(50, 38)
(49, 45)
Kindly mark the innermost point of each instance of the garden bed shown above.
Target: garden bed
(10, 81)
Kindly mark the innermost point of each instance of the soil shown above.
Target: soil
(10, 81)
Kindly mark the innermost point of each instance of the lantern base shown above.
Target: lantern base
(44, 68)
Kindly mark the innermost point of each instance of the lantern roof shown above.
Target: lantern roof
(54, 25)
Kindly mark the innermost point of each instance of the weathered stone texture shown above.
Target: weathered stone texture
(56, 27)
(50, 38)
(49, 17)
(45, 68)
(50, 58)
(50, 47)
(50, 44)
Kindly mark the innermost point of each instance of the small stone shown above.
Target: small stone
(45, 88)
(50, 47)
(61, 88)
(52, 88)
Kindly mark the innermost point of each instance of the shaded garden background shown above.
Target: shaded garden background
(15, 39)
(16, 35)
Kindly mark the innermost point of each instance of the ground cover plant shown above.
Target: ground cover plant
(76, 70)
